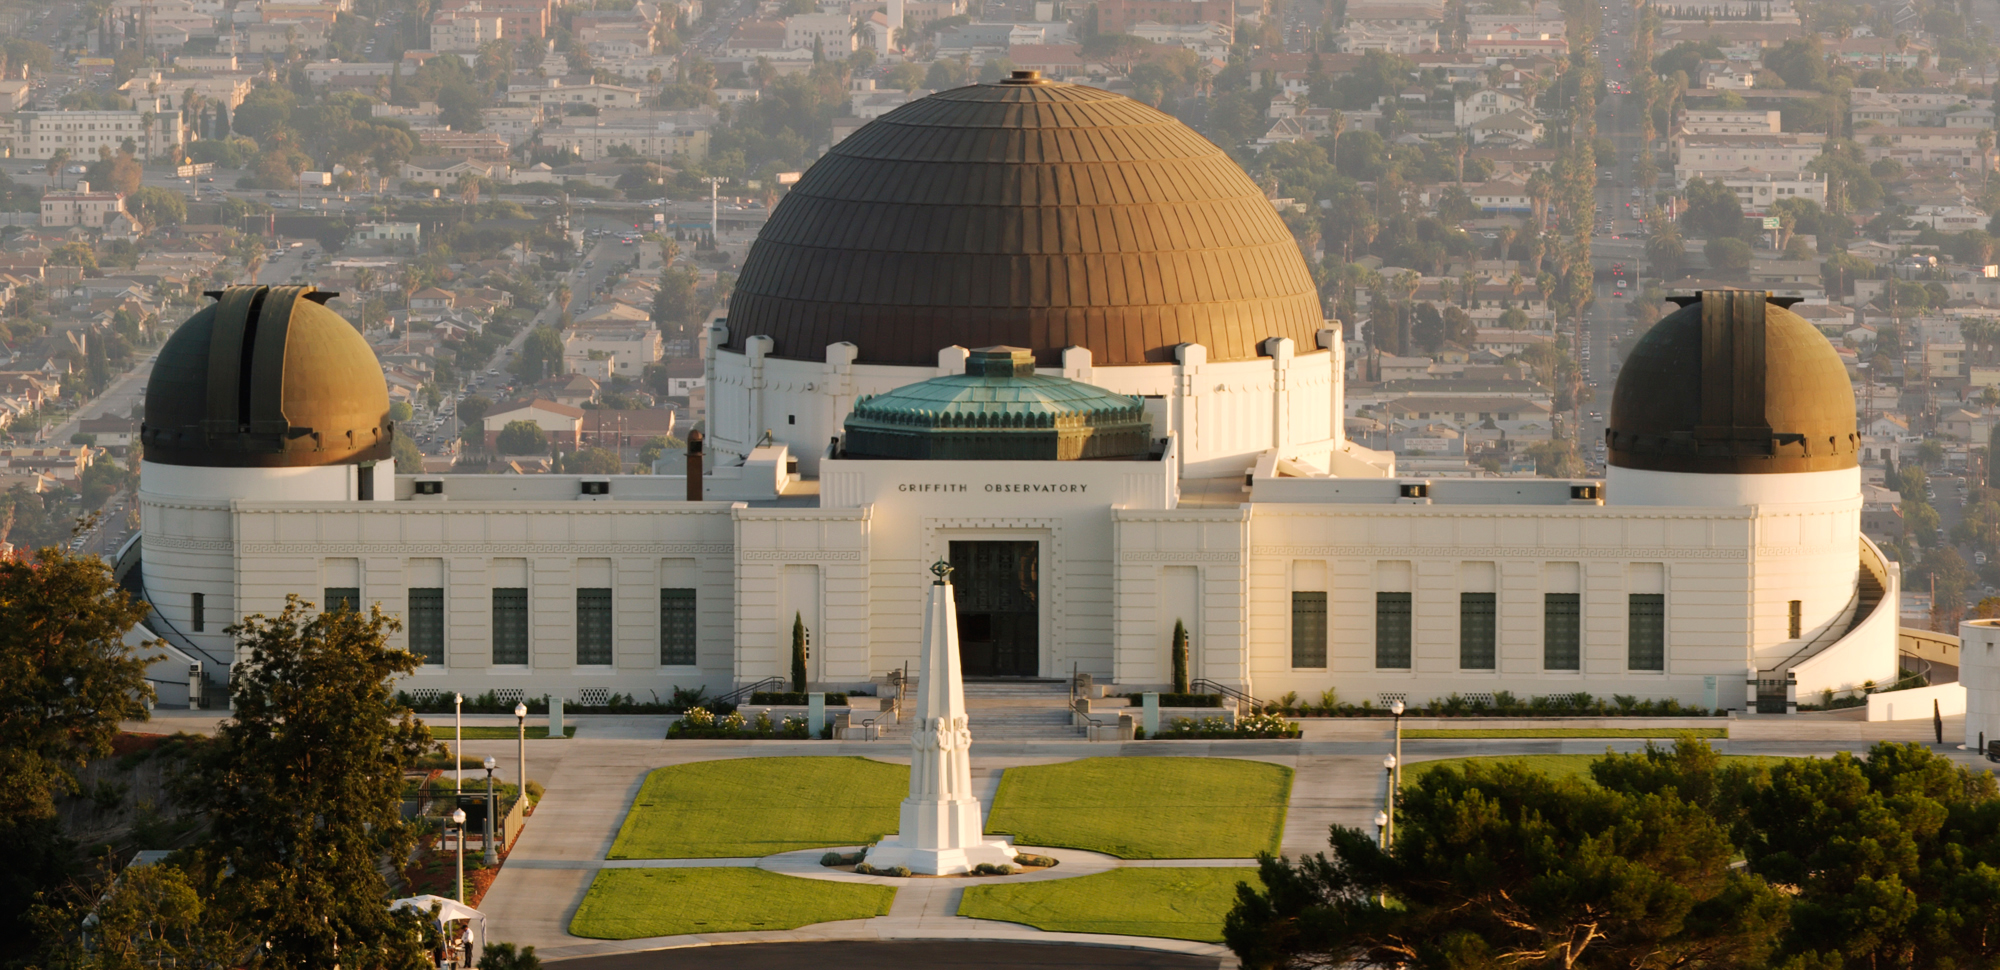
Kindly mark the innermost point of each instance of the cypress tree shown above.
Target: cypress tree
(1180, 658)
(798, 653)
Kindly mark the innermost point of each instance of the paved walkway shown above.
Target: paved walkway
(593, 778)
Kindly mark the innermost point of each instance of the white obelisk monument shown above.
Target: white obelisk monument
(941, 831)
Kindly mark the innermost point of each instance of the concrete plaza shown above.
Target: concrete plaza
(593, 778)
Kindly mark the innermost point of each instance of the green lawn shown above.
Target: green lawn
(1147, 808)
(1181, 904)
(747, 807)
(1557, 765)
(1438, 733)
(625, 904)
(536, 732)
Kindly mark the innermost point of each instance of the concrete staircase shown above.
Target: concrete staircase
(1011, 711)
(1019, 710)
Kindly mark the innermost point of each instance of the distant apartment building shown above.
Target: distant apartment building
(1715, 122)
(1757, 191)
(595, 142)
(40, 134)
(622, 351)
(81, 207)
(466, 30)
(596, 95)
(520, 19)
(1950, 146)
(1745, 153)
(829, 32)
(1118, 16)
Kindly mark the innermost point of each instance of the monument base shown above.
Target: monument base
(940, 862)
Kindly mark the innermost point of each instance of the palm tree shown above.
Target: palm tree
(1985, 142)
(1463, 145)
(1339, 124)
(57, 162)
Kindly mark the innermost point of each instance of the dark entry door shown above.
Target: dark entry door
(998, 585)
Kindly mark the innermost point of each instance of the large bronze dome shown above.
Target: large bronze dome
(266, 377)
(1733, 383)
(1027, 213)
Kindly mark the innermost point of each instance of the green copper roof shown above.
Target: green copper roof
(998, 410)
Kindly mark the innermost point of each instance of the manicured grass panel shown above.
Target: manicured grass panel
(1147, 808)
(626, 904)
(535, 733)
(750, 807)
(1180, 904)
(1555, 765)
(1418, 734)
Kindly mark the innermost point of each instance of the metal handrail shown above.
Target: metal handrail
(736, 696)
(1203, 685)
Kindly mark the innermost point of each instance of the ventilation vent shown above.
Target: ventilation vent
(595, 697)
(596, 488)
(509, 696)
(1387, 700)
(1479, 697)
(424, 695)
(430, 487)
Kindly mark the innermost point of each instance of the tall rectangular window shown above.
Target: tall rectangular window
(1646, 632)
(342, 598)
(1309, 629)
(1392, 631)
(1475, 631)
(593, 626)
(427, 623)
(1562, 631)
(364, 481)
(195, 611)
(510, 625)
(677, 627)
(1797, 611)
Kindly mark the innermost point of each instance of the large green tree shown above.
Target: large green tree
(1501, 865)
(67, 675)
(303, 788)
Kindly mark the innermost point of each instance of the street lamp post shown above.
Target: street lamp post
(458, 740)
(1397, 709)
(492, 857)
(458, 819)
(1381, 826)
(521, 757)
(1389, 778)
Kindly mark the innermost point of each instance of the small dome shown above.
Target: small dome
(998, 410)
(1733, 383)
(1030, 213)
(266, 378)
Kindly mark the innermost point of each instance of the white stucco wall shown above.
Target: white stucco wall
(1224, 414)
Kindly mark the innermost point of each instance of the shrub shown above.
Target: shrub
(702, 723)
(990, 869)
(1034, 861)
(868, 870)
(788, 698)
(1249, 726)
(1179, 700)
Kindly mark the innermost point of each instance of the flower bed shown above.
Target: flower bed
(702, 724)
(1249, 726)
(1500, 704)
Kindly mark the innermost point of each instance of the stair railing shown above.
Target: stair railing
(1244, 702)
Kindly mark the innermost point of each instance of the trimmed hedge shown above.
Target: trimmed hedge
(792, 698)
(1179, 700)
